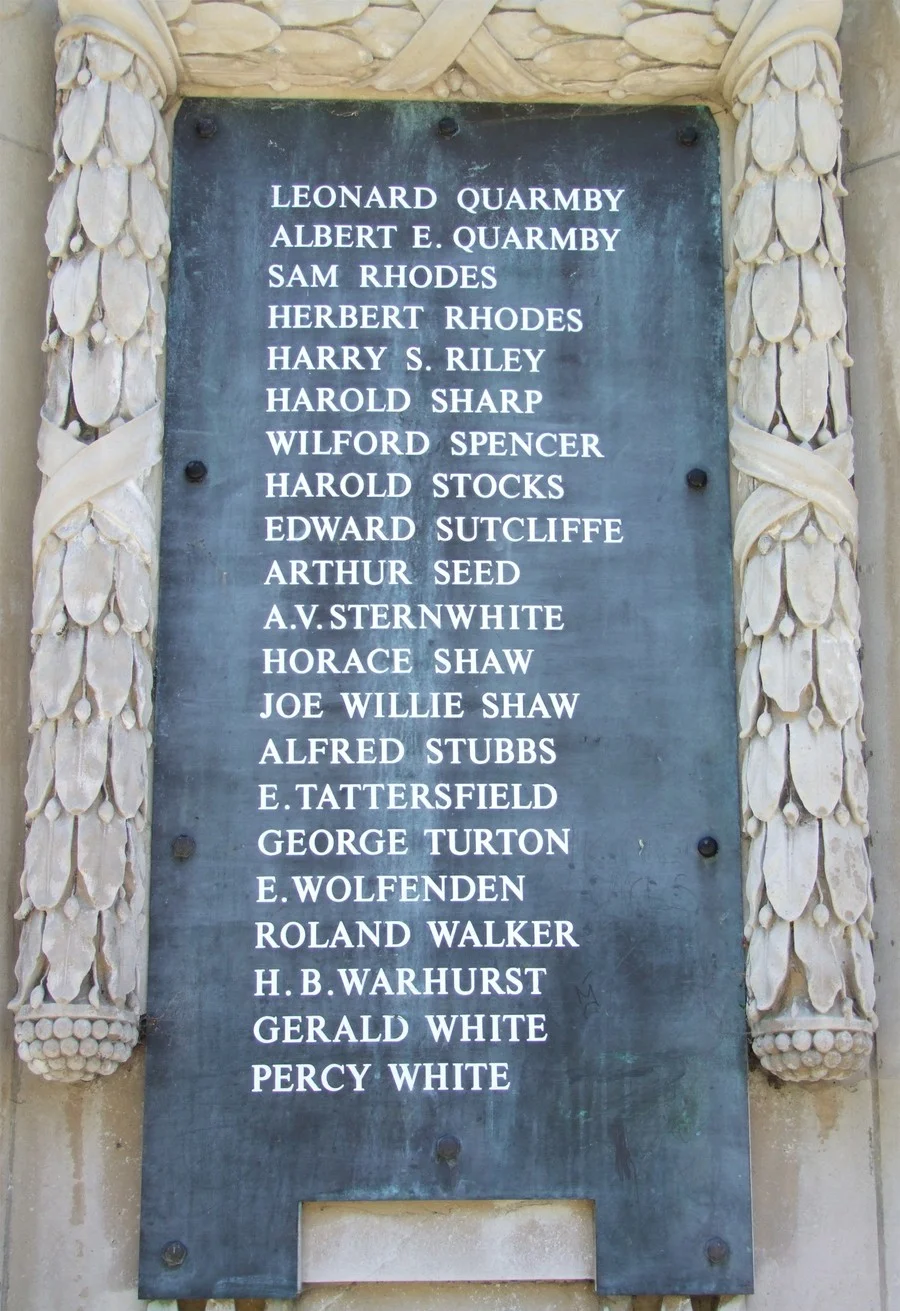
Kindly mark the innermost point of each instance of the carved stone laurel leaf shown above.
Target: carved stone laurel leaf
(55, 671)
(69, 61)
(803, 388)
(106, 60)
(101, 855)
(125, 293)
(102, 201)
(149, 220)
(131, 124)
(97, 378)
(822, 298)
(856, 779)
(815, 947)
(774, 130)
(838, 669)
(810, 577)
(798, 211)
(768, 961)
(138, 387)
(48, 859)
(119, 952)
(61, 215)
(750, 692)
(81, 758)
(795, 67)
(758, 385)
(70, 948)
(128, 764)
(41, 769)
(75, 291)
(59, 381)
(817, 766)
(762, 590)
(775, 299)
(766, 772)
(863, 967)
(786, 668)
(31, 961)
(753, 223)
(81, 120)
(790, 864)
(87, 576)
(134, 590)
(48, 585)
(846, 865)
(109, 667)
(837, 388)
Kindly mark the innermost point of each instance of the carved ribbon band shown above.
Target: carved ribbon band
(794, 476)
(79, 474)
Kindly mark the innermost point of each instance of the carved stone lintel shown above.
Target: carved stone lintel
(538, 49)
(776, 63)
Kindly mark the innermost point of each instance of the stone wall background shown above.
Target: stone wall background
(826, 1160)
(871, 42)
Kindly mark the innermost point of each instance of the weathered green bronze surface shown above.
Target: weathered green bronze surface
(446, 437)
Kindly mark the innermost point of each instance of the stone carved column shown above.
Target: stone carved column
(808, 883)
(80, 965)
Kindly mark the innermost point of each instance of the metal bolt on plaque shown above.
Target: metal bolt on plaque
(174, 1255)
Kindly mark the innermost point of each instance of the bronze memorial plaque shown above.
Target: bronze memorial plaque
(446, 897)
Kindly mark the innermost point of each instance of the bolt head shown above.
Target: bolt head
(205, 128)
(183, 847)
(448, 1148)
(688, 135)
(195, 471)
(707, 847)
(174, 1254)
(717, 1251)
(696, 479)
(447, 127)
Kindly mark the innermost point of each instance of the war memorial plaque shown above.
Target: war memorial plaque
(446, 897)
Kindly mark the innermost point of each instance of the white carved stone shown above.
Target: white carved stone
(81, 956)
(808, 886)
(776, 64)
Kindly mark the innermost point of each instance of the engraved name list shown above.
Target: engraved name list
(406, 336)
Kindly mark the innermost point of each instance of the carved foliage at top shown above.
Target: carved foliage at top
(529, 49)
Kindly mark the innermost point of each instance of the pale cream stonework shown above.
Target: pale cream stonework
(775, 63)
(817, 1228)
